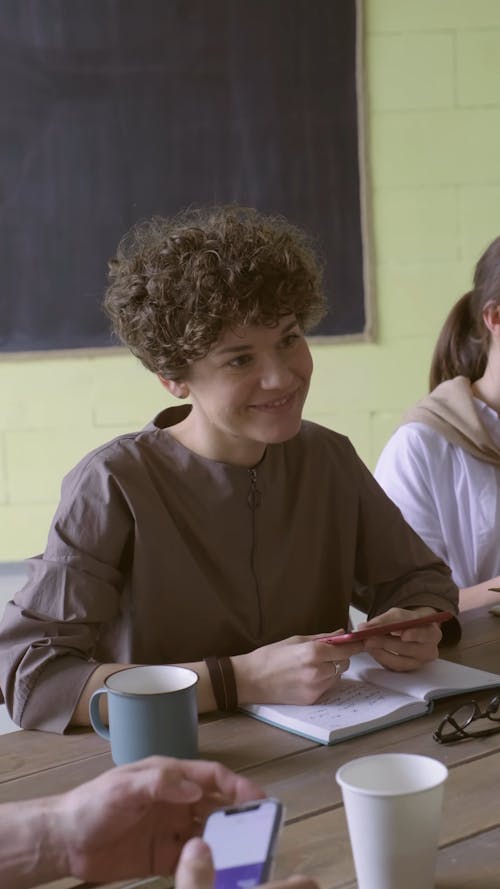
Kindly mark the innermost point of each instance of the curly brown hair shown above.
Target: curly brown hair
(176, 284)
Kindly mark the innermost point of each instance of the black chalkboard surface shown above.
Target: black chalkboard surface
(115, 110)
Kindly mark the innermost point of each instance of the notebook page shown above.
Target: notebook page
(437, 679)
(353, 704)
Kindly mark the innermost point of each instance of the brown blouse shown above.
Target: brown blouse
(158, 555)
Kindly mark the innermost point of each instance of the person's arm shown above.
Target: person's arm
(298, 670)
(404, 578)
(129, 822)
(405, 470)
(206, 701)
(49, 632)
(28, 852)
(480, 594)
(393, 561)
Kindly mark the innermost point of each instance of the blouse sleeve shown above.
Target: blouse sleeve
(405, 471)
(50, 630)
(393, 563)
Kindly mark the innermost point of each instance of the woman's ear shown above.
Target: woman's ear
(177, 388)
(491, 317)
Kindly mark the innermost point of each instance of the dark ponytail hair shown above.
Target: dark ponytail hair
(462, 346)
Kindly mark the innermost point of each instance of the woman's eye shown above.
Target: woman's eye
(239, 361)
(290, 339)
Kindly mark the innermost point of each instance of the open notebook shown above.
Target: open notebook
(369, 697)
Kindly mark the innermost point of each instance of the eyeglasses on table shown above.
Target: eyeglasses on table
(457, 725)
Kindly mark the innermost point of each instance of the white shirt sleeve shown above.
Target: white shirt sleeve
(407, 470)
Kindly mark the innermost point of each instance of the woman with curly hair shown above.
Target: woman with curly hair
(229, 534)
(442, 466)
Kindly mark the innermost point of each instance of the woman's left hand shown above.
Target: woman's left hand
(404, 649)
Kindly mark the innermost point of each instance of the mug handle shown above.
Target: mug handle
(95, 718)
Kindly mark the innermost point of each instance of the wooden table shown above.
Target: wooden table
(301, 774)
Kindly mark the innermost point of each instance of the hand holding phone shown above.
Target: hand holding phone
(386, 629)
(243, 839)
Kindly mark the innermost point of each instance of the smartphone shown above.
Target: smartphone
(386, 629)
(243, 839)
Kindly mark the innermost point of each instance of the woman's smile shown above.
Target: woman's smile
(277, 405)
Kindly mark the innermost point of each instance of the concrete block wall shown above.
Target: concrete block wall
(433, 70)
(433, 131)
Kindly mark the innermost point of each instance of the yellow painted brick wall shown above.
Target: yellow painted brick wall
(433, 116)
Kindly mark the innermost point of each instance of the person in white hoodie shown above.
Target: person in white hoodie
(442, 465)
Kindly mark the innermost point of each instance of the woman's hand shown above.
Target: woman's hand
(298, 670)
(404, 649)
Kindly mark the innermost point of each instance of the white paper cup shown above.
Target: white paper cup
(393, 805)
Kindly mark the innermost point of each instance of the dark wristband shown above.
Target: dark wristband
(220, 670)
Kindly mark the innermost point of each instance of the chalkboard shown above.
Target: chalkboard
(115, 110)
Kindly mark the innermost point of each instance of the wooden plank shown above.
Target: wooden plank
(39, 763)
(302, 779)
(305, 782)
(470, 864)
(478, 626)
(139, 883)
(44, 763)
(26, 753)
(236, 740)
(471, 803)
(55, 779)
(66, 883)
(241, 742)
(484, 656)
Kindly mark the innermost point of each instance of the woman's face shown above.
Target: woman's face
(249, 391)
